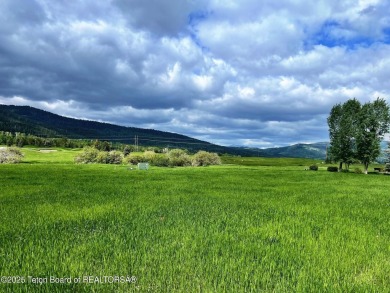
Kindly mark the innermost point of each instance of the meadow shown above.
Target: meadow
(250, 225)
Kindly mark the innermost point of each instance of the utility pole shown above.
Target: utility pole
(136, 143)
(326, 154)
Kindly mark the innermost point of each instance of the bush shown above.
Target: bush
(10, 156)
(175, 157)
(358, 171)
(313, 168)
(148, 156)
(93, 155)
(203, 158)
(115, 157)
(134, 159)
(126, 150)
(89, 155)
(333, 169)
(102, 158)
(160, 160)
(178, 157)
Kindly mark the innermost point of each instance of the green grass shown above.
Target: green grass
(49, 155)
(215, 229)
(259, 161)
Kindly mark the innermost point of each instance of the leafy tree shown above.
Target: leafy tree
(20, 139)
(387, 152)
(374, 122)
(127, 150)
(342, 122)
(356, 131)
(9, 140)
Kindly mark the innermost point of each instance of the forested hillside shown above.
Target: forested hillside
(29, 120)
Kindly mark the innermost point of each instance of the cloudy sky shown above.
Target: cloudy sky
(244, 72)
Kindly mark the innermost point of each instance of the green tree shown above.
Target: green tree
(387, 152)
(20, 139)
(127, 150)
(373, 123)
(3, 138)
(342, 122)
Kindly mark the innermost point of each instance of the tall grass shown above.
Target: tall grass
(214, 229)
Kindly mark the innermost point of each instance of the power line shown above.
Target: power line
(113, 137)
(176, 142)
(136, 139)
(130, 138)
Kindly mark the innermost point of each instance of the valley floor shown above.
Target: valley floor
(226, 228)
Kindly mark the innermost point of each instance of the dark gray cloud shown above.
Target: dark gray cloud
(20, 14)
(259, 74)
(157, 16)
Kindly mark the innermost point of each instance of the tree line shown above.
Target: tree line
(356, 131)
(21, 139)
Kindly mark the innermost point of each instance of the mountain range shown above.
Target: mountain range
(29, 120)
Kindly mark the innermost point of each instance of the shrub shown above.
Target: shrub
(89, 155)
(358, 171)
(160, 160)
(93, 155)
(102, 158)
(148, 156)
(333, 169)
(126, 150)
(115, 157)
(203, 158)
(313, 168)
(178, 157)
(134, 159)
(10, 156)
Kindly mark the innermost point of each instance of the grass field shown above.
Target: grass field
(230, 228)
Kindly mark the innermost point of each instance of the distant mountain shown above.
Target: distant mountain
(37, 122)
(383, 156)
(311, 151)
(41, 123)
(301, 150)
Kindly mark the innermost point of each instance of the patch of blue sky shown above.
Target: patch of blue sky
(194, 18)
(386, 35)
(332, 34)
(197, 41)
(197, 16)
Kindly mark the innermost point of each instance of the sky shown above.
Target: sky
(248, 72)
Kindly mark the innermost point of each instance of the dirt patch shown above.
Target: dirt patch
(47, 151)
